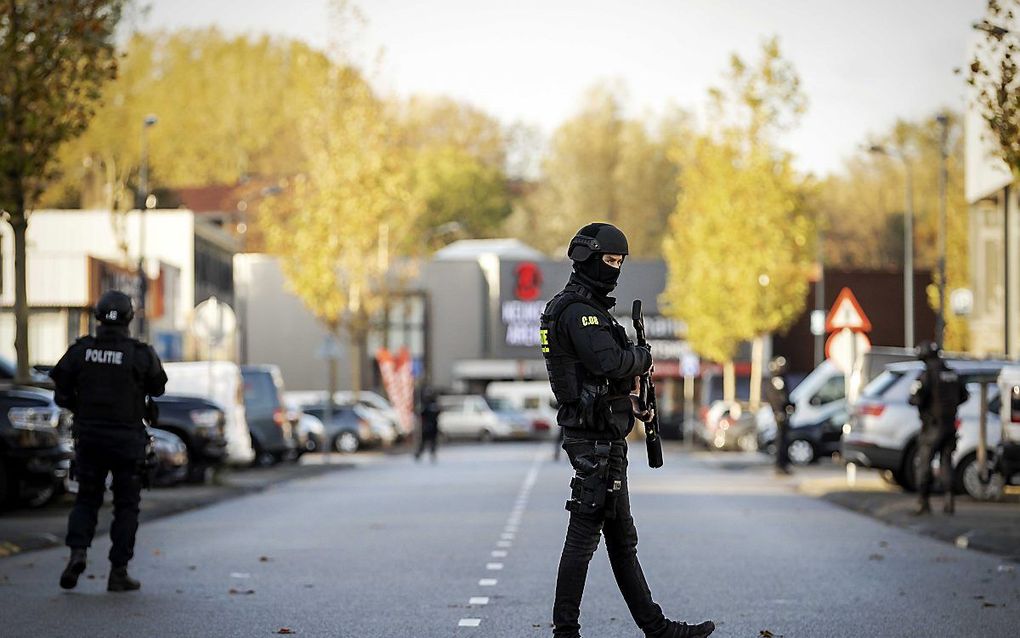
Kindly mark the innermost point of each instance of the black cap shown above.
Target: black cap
(598, 237)
(115, 308)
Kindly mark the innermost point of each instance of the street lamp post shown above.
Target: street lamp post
(908, 242)
(143, 188)
(940, 325)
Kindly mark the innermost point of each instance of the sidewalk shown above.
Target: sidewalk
(25, 529)
(991, 527)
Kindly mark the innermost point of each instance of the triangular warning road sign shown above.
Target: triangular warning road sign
(846, 312)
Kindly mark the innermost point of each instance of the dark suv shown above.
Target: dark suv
(35, 452)
(267, 417)
(199, 424)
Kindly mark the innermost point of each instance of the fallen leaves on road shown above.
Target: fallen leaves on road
(263, 559)
(245, 592)
(192, 567)
(286, 630)
(986, 605)
(883, 544)
(765, 633)
(876, 557)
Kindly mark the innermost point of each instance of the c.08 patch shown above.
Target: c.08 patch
(589, 320)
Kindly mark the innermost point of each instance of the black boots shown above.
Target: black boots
(923, 507)
(75, 566)
(676, 629)
(120, 581)
(949, 505)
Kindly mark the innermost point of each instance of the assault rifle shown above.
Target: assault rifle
(646, 395)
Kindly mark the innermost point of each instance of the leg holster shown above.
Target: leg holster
(593, 491)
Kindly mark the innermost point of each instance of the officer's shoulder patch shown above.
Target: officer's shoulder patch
(589, 320)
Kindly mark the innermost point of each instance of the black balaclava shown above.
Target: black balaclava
(599, 272)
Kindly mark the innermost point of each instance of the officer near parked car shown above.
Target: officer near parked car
(777, 393)
(937, 393)
(104, 381)
(592, 367)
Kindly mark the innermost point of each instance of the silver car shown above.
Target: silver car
(883, 428)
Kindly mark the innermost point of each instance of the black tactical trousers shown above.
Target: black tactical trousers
(583, 531)
(782, 442)
(935, 441)
(429, 439)
(95, 457)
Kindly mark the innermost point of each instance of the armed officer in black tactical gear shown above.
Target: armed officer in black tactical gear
(777, 393)
(592, 368)
(104, 381)
(937, 393)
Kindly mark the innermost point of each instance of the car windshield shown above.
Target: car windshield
(880, 384)
(498, 403)
(260, 392)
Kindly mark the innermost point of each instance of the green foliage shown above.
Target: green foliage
(602, 166)
(54, 60)
(741, 243)
(226, 107)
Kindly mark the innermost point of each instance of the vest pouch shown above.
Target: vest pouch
(614, 415)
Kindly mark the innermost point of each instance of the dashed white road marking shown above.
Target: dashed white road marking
(469, 622)
(507, 536)
(493, 566)
(487, 582)
(504, 544)
(499, 553)
(479, 600)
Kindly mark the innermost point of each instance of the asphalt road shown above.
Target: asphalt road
(469, 547)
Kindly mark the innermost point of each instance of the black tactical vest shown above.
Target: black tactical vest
(946, 395)
(561, 363)
(110, 387)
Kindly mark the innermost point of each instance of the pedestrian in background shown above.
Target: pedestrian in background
(104, 381)
(938, 393)
(429, 436)
(592, 368)
(777, 393)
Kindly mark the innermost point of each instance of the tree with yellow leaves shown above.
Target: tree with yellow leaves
(741, 243)
(338, 223)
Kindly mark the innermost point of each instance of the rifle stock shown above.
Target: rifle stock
(653, 443)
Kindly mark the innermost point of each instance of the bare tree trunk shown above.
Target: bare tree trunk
(757, 361)
(729, 381)
(19, 223)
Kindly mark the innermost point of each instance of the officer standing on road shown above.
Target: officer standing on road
(104, 381)
(937, 393)
(429, 424)
(592, 368)
(777, 393)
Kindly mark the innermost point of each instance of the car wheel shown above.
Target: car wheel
(907, 475)
(39, 497)
(801, 452)
(748, 442)
(968, 480)
(346, 442)
(485, 436)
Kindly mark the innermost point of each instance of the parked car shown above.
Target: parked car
(35, 453)
(309, 432)
(380, 404)
(534, 399)
(172, 458)
(883, 427)
(200, 424)
(377, 410)
(820, 412)
(728, 425)
(473, 416)
(263, 407)
(349, 429)
(221, 382)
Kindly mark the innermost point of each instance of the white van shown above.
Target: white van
(218, 381)
(533, 398)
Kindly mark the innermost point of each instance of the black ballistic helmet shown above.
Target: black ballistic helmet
(927, 350)
(598, 237)
(115, 308)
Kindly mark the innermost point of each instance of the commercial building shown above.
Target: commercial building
(73, 256)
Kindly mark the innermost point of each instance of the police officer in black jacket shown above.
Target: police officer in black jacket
(937, 393)
(777, 393)
(104, 381)
(592, 368)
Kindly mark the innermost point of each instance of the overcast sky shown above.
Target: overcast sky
(863, 63)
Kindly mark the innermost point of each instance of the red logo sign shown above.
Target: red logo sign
(529, 281)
